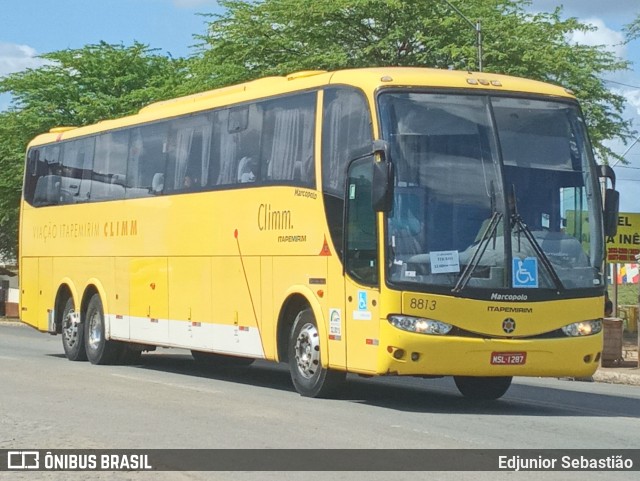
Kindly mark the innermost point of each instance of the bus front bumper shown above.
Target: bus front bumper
(404, 353)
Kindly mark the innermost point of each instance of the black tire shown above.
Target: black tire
(72, 334)
(309, 378)
(482, 388)
(213, 359)
(99, 349)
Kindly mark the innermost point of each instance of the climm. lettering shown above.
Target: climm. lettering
(120, 228)
(270, 219)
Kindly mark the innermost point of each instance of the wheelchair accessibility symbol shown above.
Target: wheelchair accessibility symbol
(525, 272)
(362, 300)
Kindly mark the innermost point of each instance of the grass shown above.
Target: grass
(627, 294)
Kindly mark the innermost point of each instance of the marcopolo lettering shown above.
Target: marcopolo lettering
(496, 296)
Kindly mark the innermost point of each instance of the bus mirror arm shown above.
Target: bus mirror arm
(606, 172)
(381, 150)
(382, 188)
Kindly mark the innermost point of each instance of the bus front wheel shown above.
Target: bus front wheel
(99, 349)
(72, 333)
(482, 388)
(309, 377)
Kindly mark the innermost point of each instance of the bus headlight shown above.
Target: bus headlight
(584, 328)
(420, 325)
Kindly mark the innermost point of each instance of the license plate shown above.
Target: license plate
(508, 358)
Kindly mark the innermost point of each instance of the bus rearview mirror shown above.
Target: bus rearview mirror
(611, 206)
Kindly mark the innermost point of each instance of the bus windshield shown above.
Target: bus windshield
(490, 192)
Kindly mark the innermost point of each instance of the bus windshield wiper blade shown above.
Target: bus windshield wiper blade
(487, 235)
(516, 221)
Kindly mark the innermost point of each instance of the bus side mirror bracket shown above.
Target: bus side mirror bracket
(382, 188)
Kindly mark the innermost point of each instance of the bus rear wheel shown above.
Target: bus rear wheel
(72, 333)
(482, 388)
(309, 377)
(99, 349)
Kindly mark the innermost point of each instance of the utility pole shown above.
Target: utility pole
(626, 151)
(477, 27)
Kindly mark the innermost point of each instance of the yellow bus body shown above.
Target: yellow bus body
(216, 271)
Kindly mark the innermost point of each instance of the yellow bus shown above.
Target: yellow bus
(381, 221)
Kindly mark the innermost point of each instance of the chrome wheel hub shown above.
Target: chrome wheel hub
(95, 331)
(70, 328)
(307, 351)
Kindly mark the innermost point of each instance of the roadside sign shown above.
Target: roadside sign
(625, 245)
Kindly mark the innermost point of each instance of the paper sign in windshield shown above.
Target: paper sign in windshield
(444, 262)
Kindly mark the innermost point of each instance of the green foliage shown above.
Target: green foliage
(275, 37)
(97, 82)
(12, 142)
(252, 39)
(633, 29)
(75, 87)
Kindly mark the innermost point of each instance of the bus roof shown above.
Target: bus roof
(368, 79)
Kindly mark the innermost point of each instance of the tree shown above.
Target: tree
(252, 39)
(76, 87)
(633, 29)
(12, 127)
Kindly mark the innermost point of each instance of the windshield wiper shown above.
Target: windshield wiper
(516, 221)
(488, 234)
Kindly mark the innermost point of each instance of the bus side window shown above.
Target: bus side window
(47, 180)
(193, 175)
(287, 139)
(187, 150)
(110, 166)
(346, 127)
(223, 151)
(147, 158)
(238, 144)
(32, 174)
(77, 161)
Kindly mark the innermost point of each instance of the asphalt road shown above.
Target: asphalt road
(168, 401)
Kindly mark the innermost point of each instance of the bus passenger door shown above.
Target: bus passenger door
(361, 266)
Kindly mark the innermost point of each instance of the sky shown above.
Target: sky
(32, 27)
